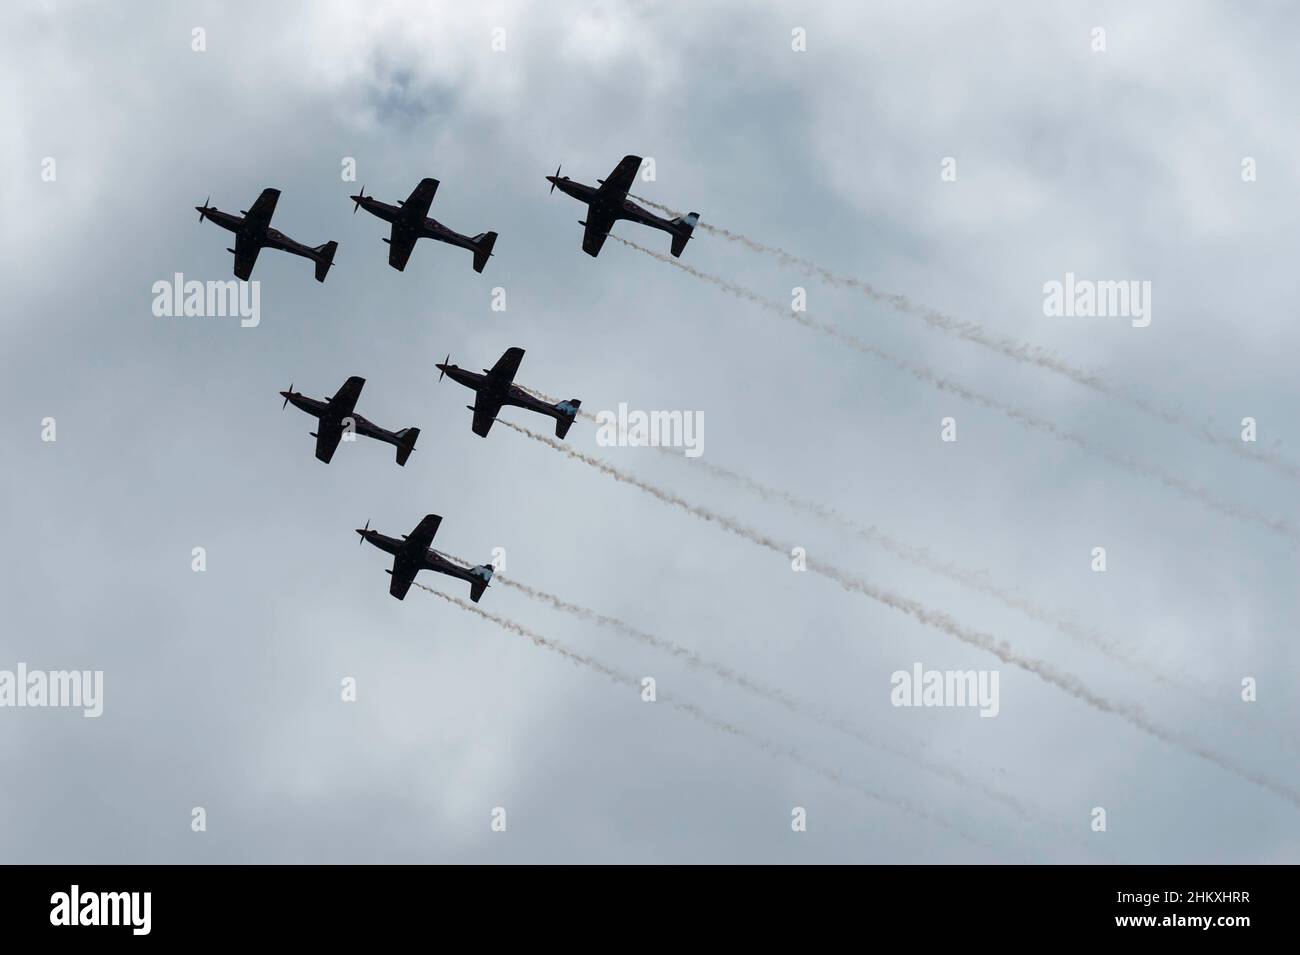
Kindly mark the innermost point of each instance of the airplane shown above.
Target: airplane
(495, 388)
(608, 203)
(410, 222)
(412, 554)
(253, 233)
(336, 413)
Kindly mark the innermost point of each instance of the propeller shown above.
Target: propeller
(557, 176)
(286, 397)
(445, 362)
(202, 210)
(361, 195)
(365, 531)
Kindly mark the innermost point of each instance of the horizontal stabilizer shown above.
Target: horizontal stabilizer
(476, 587)
(406, 437)
(683, 226)
(566, 414)
(483, 249)
(324, 259)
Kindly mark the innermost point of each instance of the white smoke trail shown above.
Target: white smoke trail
(974, 579)
(1027, 419)
(723, 726)
(758, 688)
(938, 620)
(1017, 351)
(917, 556)
(977, 580)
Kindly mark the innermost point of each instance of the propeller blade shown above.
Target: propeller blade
(363, 533)
(445, 362)
(361, 195)
(557, 176)
(286, 397)
(202, 214)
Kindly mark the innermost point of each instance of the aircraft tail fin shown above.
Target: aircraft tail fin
(324, 259)
(683, 226)
(566, 414)
(406, 437)
(476, 587)
(483, 248)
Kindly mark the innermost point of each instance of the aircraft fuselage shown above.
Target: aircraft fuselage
(610, 206)
(360, 424)
(260, 236)
(409, 559)
(507, 393)
(411, 226)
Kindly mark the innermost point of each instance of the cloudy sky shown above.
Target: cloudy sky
(222, 689)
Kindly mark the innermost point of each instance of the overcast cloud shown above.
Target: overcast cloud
(222, 688)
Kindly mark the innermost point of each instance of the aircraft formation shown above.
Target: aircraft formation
(607, 202)
(494, 388)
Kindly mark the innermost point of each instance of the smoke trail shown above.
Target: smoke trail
(975, 579)
(758, 688)
(938, 620)
(917, 556)
(1017, 351)
(921, 557)
(618, 676)
(1027, 419)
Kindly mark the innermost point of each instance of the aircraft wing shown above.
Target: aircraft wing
(597, 229)
(422, 536)
(327, 440)
(399, 585)
(263, 208)
(485, 412)
(421, 197)
(507, 366)
(400, 248)
(345, 399)
(621, 179)
(245, 256)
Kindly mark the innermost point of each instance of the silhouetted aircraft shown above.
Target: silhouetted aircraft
(410, 222)
(495, 388)
(608, 203)
(336, 416)
(412, 554)
(253, 233)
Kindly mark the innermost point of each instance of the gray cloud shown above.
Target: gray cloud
(222, 688)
